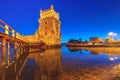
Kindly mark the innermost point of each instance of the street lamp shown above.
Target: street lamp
(112, 35)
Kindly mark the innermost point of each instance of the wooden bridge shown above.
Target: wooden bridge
(9, 38)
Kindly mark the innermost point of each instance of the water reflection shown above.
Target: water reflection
(13, 70)
(72, 49)
(49, 63)
(95, 52)
(89, 65)
(61, 64)
(113, 57)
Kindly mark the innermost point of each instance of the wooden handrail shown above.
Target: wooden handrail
(9, 27)
(6, 24)
(2, 26)
(3, 22)
(5, 28)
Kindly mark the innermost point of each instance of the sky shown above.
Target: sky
(79, 18)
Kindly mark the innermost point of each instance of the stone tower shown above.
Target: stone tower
(49, 27)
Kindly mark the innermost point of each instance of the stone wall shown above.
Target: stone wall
(30, 38)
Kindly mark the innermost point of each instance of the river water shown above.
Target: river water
(61, 64)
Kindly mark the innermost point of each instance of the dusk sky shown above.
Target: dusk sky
(79, 18)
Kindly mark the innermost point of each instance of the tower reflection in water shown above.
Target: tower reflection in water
(49, 64)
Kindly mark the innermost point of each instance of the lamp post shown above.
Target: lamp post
(112, 35)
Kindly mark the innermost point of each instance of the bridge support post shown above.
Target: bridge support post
(24, 49)
(22, 45)
(8, 53)
(15, 48)
(3, 51)
(20, 49)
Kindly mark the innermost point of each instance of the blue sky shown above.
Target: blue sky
(80, 18)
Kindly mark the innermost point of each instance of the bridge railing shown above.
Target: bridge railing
(5, 28)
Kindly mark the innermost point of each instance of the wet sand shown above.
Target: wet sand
(92, 73)
(106, 72)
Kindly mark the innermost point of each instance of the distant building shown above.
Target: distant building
(73, 41)
(118, 42)
(109, 40)
(96, 40)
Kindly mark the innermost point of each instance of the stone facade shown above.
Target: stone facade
(30, 38)
(49, 28)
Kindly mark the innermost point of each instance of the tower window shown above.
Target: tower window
(52, 32)
(45, 27)
(45, 22)
(46, 33)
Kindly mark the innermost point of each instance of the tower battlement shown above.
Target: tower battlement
(49, 13)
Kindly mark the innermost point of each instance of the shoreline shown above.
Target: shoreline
(91, 45)
(103, 48)
(100, 50)
(115, 71)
